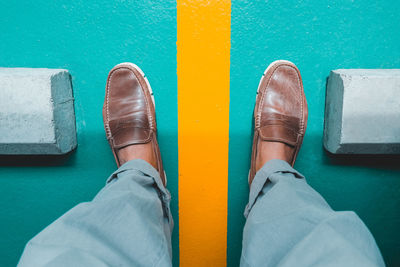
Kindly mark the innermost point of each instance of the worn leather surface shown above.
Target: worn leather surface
(281, 111)
(129, 113)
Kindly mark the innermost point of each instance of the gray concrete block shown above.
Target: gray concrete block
(36, 111)
(362, 111)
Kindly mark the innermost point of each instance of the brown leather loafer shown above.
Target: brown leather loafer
(129, 113)
(281, 110)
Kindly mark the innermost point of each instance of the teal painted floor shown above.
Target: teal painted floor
(89, 38)
(317, 36)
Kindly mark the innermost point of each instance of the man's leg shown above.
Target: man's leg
(290, 224)
(128, 223)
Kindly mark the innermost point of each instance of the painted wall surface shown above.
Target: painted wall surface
(317, 36)
(89, 37)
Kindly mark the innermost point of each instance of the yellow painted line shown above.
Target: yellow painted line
(203, 130)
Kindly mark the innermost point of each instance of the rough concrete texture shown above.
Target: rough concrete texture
(36, 111)
(362, 112)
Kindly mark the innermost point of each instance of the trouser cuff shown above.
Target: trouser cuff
(261, 179)
(146, 169)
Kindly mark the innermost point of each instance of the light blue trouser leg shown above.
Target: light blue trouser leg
(127, 224)
(290, 224)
